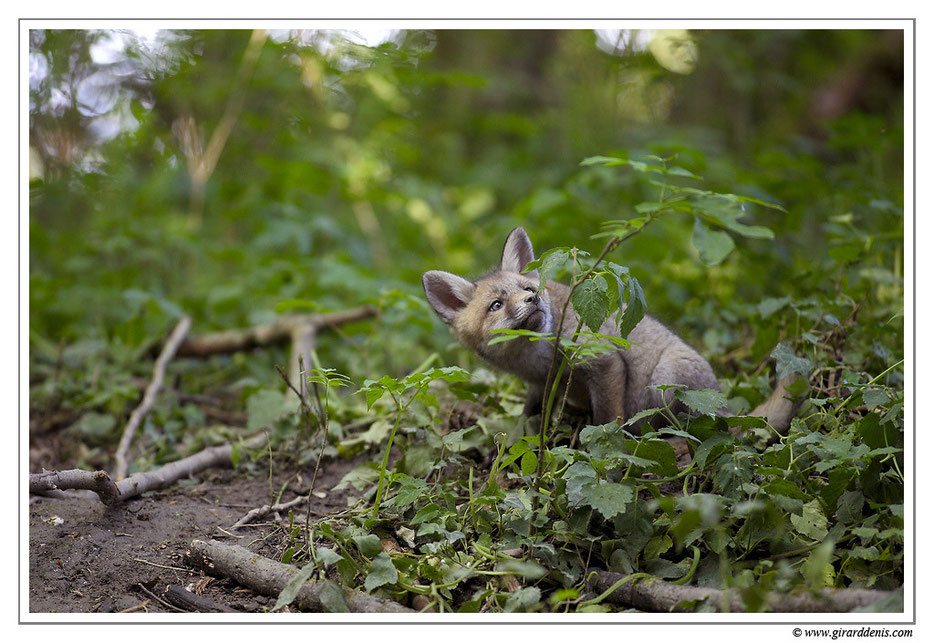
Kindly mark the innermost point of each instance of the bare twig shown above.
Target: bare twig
(269, 577)
(265, 510)
(112, 493)
(653, 595)
(301, 330)
(158, 374)
(178, 595)
(274, 332)
(142, 588)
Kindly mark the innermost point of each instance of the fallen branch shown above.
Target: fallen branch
(265, 510)
(158, 374)
(269, 577)
(653, 595)
(112, 493)
(275, 332)
(181, 597)
(301, 330)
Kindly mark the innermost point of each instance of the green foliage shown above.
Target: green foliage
(351, 169)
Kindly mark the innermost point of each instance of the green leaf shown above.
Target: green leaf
(550, 265)
(327, 556)
(635, 308)
(659, 453)
(609, 498)
(524, 568)
(368, 545)
(602, 160)
(604, 441)
(591, 302)
(874, 397)
(292, 587)
(812, 523)
(786, 362)
(521, 600)
(332, 598)
(850, 506)
(770, 305)
(382, 572)
(529, 463)
(713, 245)
(703, 401)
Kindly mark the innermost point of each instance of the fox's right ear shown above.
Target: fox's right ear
(446, 293)
(517, 253)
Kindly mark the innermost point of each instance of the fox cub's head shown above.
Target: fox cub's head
(504, 299)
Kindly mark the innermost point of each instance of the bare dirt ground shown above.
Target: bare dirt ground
(85, 557)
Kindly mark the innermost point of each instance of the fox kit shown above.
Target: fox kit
(611, 385)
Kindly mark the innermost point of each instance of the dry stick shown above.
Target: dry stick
(158, 373)
(269, 577)
(274, 332)
(658, 596)
(178, 596)
(265, 510)
(112, 493)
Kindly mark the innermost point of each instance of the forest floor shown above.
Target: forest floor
(86, 557)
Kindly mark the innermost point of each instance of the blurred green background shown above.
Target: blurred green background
(236, 175)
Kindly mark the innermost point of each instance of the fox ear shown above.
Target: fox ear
(446, 293)
(517, 253)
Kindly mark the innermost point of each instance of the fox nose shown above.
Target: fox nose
(532, 299)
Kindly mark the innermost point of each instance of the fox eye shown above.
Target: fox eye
(529, 288)
(496, 305)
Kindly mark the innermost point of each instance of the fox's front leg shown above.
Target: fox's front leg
(533, 400)
(606, 386)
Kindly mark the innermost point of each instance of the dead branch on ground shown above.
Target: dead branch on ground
(265, 510)
(158, 374)
(112, 493)
(182, 598)
(301, 330)
(653, 595)
(269, 577)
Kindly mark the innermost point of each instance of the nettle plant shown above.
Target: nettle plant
(746, 509)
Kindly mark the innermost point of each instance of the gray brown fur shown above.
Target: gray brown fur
(612, 385)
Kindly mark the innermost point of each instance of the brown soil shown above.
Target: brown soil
(85, 557)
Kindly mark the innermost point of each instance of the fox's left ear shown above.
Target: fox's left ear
(517, 253)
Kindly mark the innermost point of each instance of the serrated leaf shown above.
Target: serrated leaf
(874, 397)
(812, 523)
(703, 401)
(604, 441)
(713, 245)
(552, 263)
(372, 396)
(786, 362)
(635, 308)
(591, 303)
(523, 599)
(382, 572)
(609, 498)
